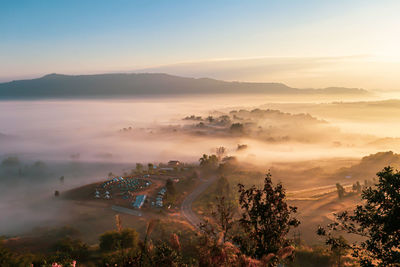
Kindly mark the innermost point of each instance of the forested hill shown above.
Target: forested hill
(122, 85)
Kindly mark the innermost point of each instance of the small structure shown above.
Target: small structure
(162, 191)
(159, 199)
(139, 201)
(174, 163)
(97, 194)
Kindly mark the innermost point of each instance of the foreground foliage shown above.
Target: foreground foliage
(377, 221)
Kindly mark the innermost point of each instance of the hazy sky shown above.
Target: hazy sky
(39, 37)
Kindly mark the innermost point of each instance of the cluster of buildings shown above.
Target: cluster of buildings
(126, 184)
(106, 195)
(121, 186)
(160, 197)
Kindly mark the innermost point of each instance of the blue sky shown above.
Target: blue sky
(38, 37)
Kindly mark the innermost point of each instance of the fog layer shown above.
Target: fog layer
(84, 140)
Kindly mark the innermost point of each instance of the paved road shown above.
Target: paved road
(186, 207)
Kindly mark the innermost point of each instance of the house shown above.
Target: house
(139, 201)
(162, 191)
(173, 163)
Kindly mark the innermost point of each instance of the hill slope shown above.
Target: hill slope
(116, 85)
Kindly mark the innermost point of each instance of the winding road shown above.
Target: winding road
(186, 207)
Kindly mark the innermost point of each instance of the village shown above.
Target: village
(143, 189)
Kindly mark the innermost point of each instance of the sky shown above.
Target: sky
(81, 37)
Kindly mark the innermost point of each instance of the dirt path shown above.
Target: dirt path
(186, 207)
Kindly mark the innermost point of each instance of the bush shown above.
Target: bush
(113, 240)
(74, 249)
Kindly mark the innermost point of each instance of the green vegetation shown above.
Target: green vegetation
(171, 193)
(376, 221)
(266, 219)
(340, 190)
(69, 249)
(113, 240)
(248, 225)
(10, 162)
(208, 162)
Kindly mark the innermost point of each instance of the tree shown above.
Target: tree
(109, 241)
(8, 258)
(150, 167)
(237, 128)
(212, 252)
(10, 162)
(203, 160)
(139, 168)
(165, 255)
(241, 147)
(171, 191)
(340, 190)
(223, 188)
(220, 151)
(376, 220)
(208, 161)
(266, 220)
(73, 249)
(224, 216)
(338, 246)
(357, 187)
(56, 193)
(113, 240)
(169, 185)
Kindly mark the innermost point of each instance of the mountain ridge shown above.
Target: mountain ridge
(134, 84)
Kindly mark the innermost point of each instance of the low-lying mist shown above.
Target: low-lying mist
(85, 140)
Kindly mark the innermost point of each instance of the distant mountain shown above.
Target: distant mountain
(122, 85)
(6, 137)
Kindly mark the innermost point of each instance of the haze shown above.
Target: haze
(154, 110)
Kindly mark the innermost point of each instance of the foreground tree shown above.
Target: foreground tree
(223, 220)
(222, 188)
(8, 258)
(166, 255)
(266, 220)
(377, 221)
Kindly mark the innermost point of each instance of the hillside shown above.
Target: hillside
(117, 85)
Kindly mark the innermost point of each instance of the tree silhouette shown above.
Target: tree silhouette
(266, 220)
(376, 220)
(340, 190)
